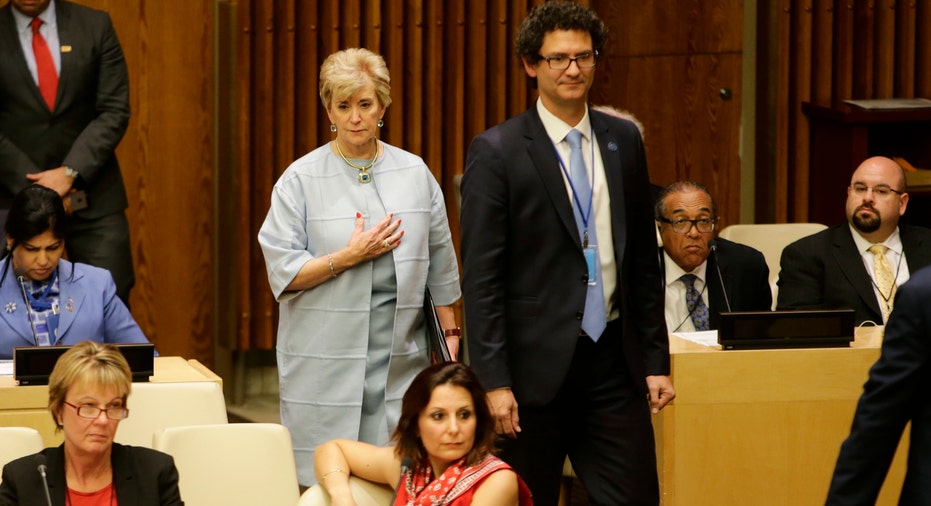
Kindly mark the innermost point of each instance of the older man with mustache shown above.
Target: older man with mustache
(861, 263)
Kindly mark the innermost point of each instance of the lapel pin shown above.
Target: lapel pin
(612, 146)
(10, 307)
(65, 49)
(70, 306)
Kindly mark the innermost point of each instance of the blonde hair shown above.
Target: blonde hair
(90, 362)
(345, 72)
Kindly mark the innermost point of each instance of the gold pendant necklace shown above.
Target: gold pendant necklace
(364, 177)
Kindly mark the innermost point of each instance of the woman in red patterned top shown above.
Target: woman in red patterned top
(445, 440)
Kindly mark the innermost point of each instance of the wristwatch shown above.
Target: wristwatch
(73, 174)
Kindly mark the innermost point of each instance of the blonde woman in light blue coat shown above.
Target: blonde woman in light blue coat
(356, 232)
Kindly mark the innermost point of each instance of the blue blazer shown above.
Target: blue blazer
(90, 309)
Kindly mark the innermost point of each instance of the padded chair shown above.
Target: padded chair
(770, 239)
(16, 442)
(154, 406)
(366, 493)
(235, 464)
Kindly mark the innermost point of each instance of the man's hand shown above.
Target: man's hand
(503, 408)
(56, 179)
(661, 392)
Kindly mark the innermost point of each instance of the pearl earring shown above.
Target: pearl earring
(333, 128)
(381, 123)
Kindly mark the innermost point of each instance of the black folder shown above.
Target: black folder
(436, 339)
(786, 329)
(32, 365)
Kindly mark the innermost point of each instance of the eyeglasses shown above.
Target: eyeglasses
(882, 191)
(94, 412)
(584, 61)
(680, 226)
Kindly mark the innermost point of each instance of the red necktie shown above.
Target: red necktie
(48, 78)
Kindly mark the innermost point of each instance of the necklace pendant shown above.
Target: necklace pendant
(365, 177)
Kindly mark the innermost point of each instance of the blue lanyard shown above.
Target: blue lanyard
(585, 215)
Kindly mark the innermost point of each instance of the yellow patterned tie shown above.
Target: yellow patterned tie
(885, 279)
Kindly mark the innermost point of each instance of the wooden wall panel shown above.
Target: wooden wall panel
(673, 85)
(828, 51)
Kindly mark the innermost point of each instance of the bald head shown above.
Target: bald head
(876, 198)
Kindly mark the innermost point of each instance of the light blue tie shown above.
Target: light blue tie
(594, 320)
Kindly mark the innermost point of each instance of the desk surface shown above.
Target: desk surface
(27, 406)
(761, 427)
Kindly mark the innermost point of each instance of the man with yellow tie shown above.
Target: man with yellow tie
(859, 264)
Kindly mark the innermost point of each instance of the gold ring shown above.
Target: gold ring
(387, 244)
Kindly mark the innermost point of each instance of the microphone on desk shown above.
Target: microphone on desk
(406, 464)
(32, 323)
(42, 469)
(713, 245)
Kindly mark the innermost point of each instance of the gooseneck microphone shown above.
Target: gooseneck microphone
(406, 464)
(713, 245)
(32, 323)
(41, 469)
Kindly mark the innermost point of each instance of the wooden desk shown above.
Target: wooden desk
(27, 406)
(762, 427)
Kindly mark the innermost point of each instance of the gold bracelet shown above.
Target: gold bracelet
(329, 258)
(331, 471)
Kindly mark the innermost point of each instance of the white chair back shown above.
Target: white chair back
(770, 239)
(16, 442)
(154, 406)
(236, 464)
(365, 493)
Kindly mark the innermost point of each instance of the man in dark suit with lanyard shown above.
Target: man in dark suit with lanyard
(563, 299)
(64, 106)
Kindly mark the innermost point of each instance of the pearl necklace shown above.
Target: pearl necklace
(364, 177)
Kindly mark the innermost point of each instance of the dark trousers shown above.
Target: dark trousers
(104, 242)
(601, 421)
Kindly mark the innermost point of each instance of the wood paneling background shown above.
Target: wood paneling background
(167, 157)
(454, 74)
(224, 97)
(825, 52)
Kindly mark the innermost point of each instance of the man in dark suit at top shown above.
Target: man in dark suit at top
(686, 215)
(64, 106)
(858, 264)
(895, 393)
(563, 299)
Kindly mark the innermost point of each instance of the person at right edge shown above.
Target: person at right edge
(561, 281)
(895, 393)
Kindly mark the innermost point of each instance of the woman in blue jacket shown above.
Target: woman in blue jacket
(48, 301)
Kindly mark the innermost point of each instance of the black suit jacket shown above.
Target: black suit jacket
(825, 271)
(91, 111)
(524, 273)
(895, 393)
(746, 280)
(142, 477)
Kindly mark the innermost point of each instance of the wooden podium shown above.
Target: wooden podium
(762, 427)
(27, 406)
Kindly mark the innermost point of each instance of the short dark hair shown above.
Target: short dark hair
(35, 210)
(417, 397)
(557, 15)
(659, 209)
